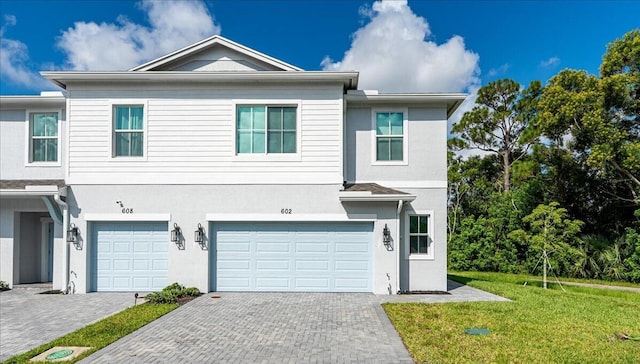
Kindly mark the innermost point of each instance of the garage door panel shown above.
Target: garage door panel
(312, 265)
(313, 284)
(229, 264)
(272, 265)
(130, 256)
(272, 283)
(292, 257)
(272, 247)
(312, 247)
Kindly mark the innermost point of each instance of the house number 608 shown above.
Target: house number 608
(286, 211)
(127, 211)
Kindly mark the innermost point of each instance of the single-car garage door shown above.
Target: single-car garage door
(129, 256)
(302, 257)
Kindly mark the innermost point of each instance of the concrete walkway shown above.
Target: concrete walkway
(29, 319)
(275, 328)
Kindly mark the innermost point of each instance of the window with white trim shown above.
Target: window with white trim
(128, 130)
(265, 129)
(419, 235)
(43, 137)
(389, 136)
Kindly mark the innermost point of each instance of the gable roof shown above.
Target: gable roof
(208, 43)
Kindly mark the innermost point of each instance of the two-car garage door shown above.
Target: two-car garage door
(129, 256)
(303, 257)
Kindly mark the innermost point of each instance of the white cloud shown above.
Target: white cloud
(550, 63)
(499, 71)
(14, 61)
(173, 24)
(393, 54)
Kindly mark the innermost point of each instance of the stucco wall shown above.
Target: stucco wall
(190, 205)
(427, 152)
(14, 140)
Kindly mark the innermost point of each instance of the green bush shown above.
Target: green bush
(171, 294)
(4, 286)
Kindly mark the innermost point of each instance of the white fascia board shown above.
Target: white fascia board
(12, 102)
(213, 217)
(451, 100)
(348, 79)
(210, 42)
(359, 197)
(32, 192)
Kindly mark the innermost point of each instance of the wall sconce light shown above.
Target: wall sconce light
(198, 236)
(386, 235)
(176, 232)
(72, 233)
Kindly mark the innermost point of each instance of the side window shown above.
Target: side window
(43, 138)
(128, 130)
(266, 129)
(419, 241)
(389, 136)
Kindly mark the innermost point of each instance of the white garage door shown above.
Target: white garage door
(303, 257)
(130, 256)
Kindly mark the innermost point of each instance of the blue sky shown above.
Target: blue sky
(430, 45)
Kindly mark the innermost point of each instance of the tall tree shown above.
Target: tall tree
(499, 123)
(601, 115)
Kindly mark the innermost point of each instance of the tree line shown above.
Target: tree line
(558, 171)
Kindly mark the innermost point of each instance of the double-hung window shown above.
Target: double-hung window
(266, 129)
(419, 235)
(390, 130)
(128, 130)
(43, 137)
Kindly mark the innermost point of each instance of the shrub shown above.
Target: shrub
(4, 286)
(171, 294)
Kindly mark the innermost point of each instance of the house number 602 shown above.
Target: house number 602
(127, 211)
(286, 211)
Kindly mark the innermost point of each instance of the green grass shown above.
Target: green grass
(104, 332)
(521, 278)
(538, 326)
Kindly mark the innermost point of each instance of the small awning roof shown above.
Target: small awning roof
(36, 187)
(372, 192)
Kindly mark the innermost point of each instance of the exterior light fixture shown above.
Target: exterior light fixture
(175, 233)
(386, 235)
(198, 236)
(72, 234)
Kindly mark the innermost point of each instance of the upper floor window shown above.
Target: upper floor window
(128, 130)
(266, 129)
(43, 137)
(390, 130)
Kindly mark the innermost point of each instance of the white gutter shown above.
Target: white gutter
(65, 224)
(398, 211)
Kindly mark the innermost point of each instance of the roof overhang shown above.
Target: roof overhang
(348, 79)
(367, 196)
(451, 100)
(12, 102)
(31, 191)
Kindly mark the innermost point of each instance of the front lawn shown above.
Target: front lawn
(104, 332)
(538, 326)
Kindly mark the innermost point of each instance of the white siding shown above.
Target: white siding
(190, 137)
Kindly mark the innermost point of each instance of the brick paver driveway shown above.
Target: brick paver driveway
(265, 328)
(29, 319)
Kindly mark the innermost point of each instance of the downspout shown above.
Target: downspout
(400, 205)
(60, 200)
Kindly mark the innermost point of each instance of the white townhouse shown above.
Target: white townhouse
(222, 168)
